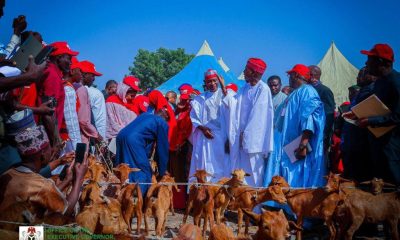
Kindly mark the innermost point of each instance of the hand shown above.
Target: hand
(349, 115)
(99, 139)
(67, 158)
(19, 24)
(207, 132)
(35, 72)
(70, 174)
(300, 154)
(45, 109)
(221, 80)
(81, 169)
(362, 122)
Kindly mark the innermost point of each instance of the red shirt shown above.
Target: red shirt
(53, 86)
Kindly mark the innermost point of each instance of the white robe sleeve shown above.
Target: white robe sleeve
(258, 133)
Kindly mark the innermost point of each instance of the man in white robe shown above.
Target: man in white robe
(209, 136)
(251, 123)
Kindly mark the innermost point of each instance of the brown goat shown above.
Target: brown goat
(225, 195)
(158, 202)
(203, 200)
(103, 218)
(131, 205)
(272, 225)
(189, 232)
(318, 203)
(221, 232)
(91, 194)
(377, 185)
(200, 176)
(361, 206)
(248, 198)
(123, 170)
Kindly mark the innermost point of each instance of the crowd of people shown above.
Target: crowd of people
(266, 129)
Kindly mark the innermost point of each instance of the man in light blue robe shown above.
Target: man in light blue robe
(302, 114)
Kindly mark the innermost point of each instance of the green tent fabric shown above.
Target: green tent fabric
(337, 73)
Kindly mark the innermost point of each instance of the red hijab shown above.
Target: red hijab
(158, 101)
(140, 104)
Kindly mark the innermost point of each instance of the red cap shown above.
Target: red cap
(88, 67)
(184, 96)
(380, 50)
(62, 48)
(257, 65)
(232, 86)
(186, 89)
(132, 82)
(75, 63)
(211, 73)
(302, 70)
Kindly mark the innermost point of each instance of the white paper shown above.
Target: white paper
(113, 146)
(290, 147)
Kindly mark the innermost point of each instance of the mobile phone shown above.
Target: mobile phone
(43, 54)
(53, 100)
(80, 152)
(63, 173)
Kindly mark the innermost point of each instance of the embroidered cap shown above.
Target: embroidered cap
(32, 140)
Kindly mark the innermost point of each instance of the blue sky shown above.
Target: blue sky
(283, 33)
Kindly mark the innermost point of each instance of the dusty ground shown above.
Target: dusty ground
(174, 222)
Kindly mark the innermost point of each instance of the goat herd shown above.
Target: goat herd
(108, 204)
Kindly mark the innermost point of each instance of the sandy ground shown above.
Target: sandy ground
(175, 221)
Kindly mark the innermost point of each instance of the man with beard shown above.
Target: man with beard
(301, 116)
(208, 130)
(251, 114)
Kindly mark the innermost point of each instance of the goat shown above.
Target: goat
(248, 198)
(361, 206)
(131, 205)
(103, 218)
(272, 225)
(189, 232)
(158, 202)
(224, 195)
(319, 203)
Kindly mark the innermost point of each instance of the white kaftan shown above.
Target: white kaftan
(209, 154)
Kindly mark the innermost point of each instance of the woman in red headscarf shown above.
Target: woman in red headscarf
(118, 113)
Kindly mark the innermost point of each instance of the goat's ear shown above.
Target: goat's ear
(135, 169)
(115, 169)
(344, 179)
(366, 182)
(294, 226)
(247, 174)
(389, 184)
(255, 217)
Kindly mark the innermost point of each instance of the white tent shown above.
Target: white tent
(337, 73)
